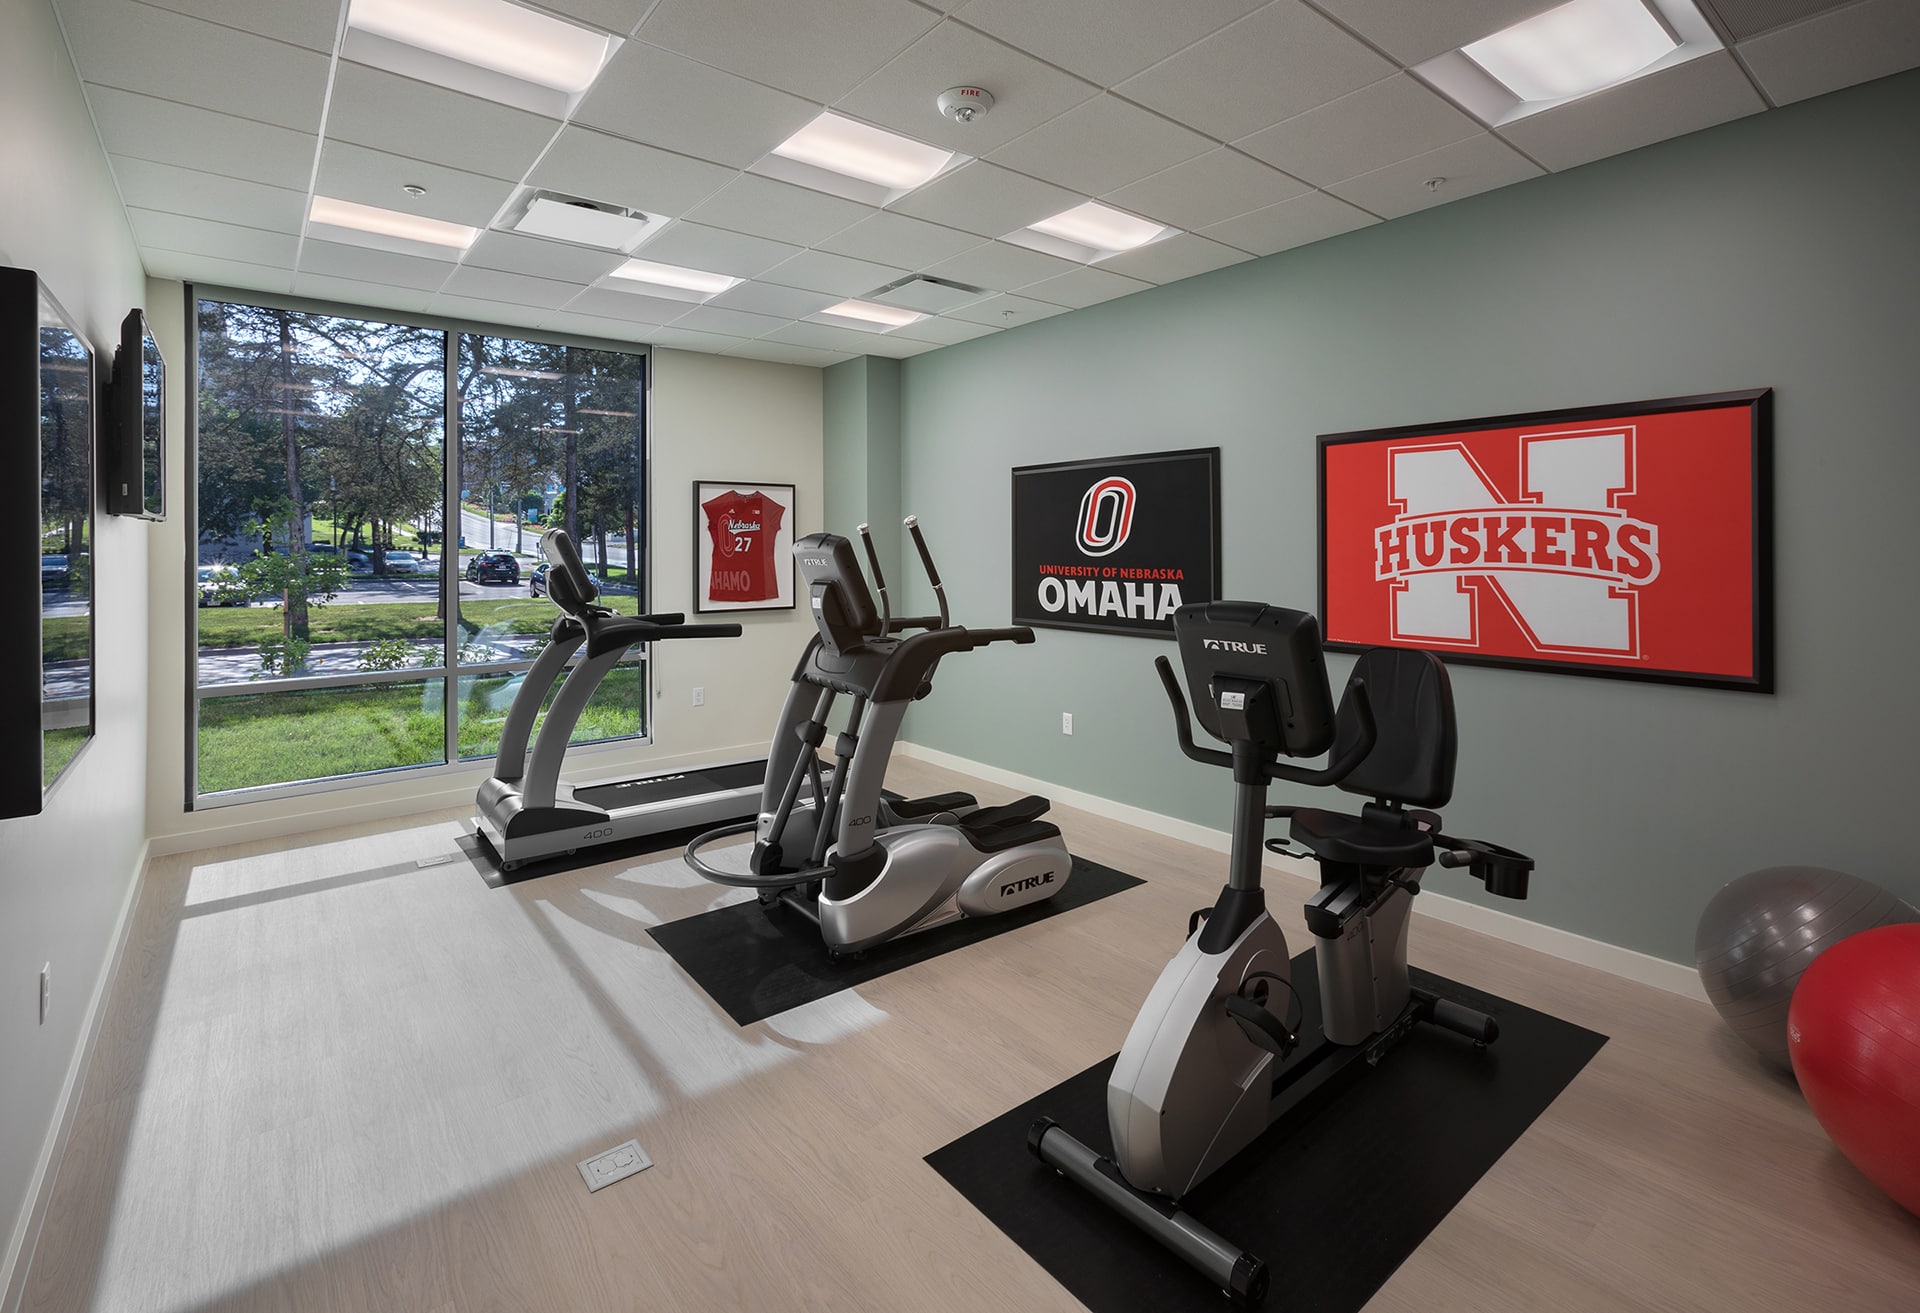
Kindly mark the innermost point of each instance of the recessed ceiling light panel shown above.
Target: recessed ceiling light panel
(672, 278)
(1101, 227)
(855, 160)
(492, 34)
(1569, 51)
(869, 316)
(417, 228)
(1573, 50)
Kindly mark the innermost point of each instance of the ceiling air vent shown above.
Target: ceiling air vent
(1748, 18)
(929, 295)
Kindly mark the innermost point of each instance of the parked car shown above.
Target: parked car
(55, 573)
(537, 581)
(220, 585)
(322, 549)
(405, 563)
(494, 568)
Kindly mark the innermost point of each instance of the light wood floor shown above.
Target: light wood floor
(338, 1073)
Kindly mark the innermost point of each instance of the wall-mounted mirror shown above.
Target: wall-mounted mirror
(48, 399)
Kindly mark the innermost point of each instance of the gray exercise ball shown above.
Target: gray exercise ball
(1762, 931)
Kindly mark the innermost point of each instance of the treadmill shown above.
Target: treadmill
(527, 812)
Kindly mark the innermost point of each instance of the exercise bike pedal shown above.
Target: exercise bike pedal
(1261, 1026)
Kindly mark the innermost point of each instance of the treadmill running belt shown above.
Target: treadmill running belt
(665, 788)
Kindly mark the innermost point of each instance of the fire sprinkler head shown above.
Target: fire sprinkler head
(965, 104)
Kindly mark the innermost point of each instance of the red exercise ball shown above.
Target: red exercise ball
(1853, 1031)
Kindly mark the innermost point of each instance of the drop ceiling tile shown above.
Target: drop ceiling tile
(899, 240)
(372, 107)
(1026, 92)
(1103, 40)
(999, 266)
(1271, 65)
(986, 199)
(716, 250)
(737, 323)
(618, 16)
(686, 339)
(173, 232)
(895, 347)
(628, 307)
(1286, 225)
(158, 52)
(1004, 311)
(1836, 49)
(772, 299)
(655, 96)
(781, 353)
(1469, 167)
(1206, 189)
(1172, 258)
(826, 337)
(946, 330)
(812, 50)
(365, 264)
(535, 256)
(766, 207)
(166, 133)
(480, 312)
(237, 274)
(353, 292)
(1415, 32)
(1100, 145)
(1083, 287)
(514, 289)
(373, 177)
(1675, 101)
(314, 26)
(600, 167)
(1364, 130)
(822, 271)
(203, 195)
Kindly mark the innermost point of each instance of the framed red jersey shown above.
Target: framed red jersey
(1630, 541)
(742, 546)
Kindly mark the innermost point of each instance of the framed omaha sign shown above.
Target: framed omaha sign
(1630, 541)
(1116, 545)
(742, 546)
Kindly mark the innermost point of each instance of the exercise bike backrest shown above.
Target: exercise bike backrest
(1258, 679)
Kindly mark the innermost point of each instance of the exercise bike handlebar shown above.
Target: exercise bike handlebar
(1336, 770)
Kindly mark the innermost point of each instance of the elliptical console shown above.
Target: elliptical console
(1219, 1051)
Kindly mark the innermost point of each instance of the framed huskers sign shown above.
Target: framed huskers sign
(1630, 541)
(742, 546)
(1116, 545)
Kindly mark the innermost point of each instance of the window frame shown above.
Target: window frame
(451, 672)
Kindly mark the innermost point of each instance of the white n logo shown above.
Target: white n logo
(1562, 558)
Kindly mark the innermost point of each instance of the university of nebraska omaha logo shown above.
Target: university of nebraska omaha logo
(1626, 542)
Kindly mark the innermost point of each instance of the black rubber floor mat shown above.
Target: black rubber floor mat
(1333, 1200)
(756, 961)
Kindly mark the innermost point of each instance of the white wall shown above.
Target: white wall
(712, 417)
(66, 875)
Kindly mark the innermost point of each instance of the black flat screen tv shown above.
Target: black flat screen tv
(136, 435)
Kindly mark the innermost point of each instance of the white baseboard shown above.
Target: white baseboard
(1627, 963)
(26, 1231)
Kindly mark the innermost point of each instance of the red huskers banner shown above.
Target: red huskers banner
(1631, 541)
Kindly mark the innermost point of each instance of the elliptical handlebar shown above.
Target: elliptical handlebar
(879, 580)
(912, 523)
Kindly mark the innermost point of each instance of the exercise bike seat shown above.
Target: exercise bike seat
(1411, 763)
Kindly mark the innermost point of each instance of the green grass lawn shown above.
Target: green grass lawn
(57, 748)
(276, 738)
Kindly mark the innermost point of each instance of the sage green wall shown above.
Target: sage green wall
(861, 421)
(1782, 250)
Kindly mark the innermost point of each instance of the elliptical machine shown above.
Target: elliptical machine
(864, 866)
(1217, 1054)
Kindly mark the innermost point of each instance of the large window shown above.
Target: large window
(370, 599)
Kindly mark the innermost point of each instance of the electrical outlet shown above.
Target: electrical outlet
(699, 697)
(46, 991)
(1066, 722)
